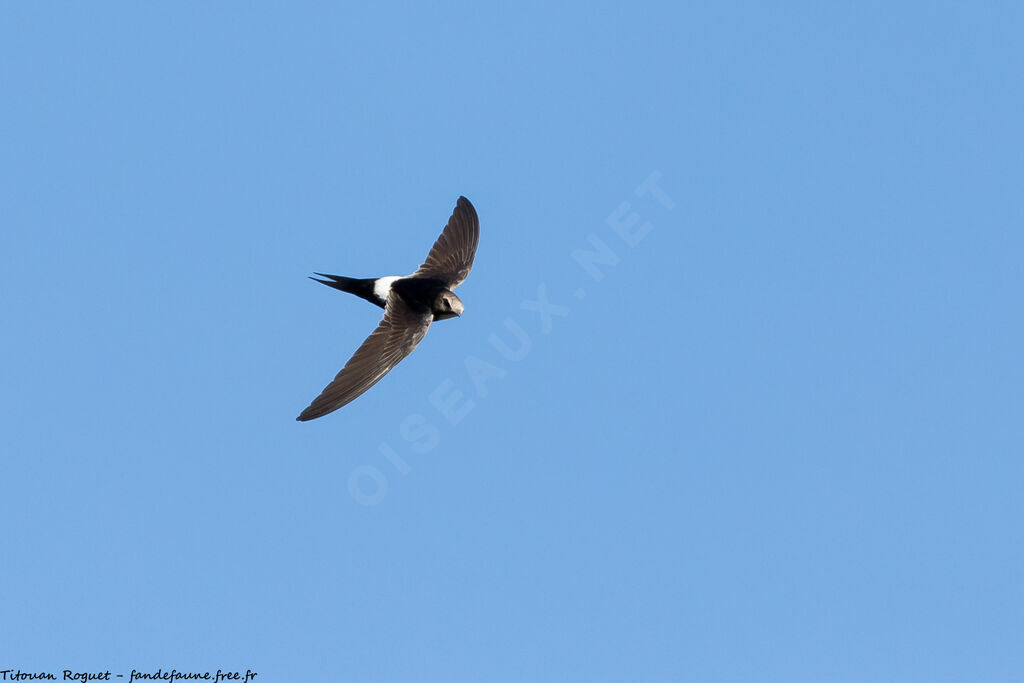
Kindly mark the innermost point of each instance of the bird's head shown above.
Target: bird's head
(447, 305)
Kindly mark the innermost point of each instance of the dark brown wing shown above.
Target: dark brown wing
(394, 339)
(451, 257)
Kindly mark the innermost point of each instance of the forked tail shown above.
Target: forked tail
(361, 287)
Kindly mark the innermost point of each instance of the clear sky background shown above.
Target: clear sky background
(780, 439)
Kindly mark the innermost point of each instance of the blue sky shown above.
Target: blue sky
(779, 439)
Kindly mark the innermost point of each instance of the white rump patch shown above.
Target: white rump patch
(382, 287)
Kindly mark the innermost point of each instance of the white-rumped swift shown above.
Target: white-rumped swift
(410, 304)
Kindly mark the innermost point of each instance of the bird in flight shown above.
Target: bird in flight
(410, 304)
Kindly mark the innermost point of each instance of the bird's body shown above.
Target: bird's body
(411, 303)
(419, 293)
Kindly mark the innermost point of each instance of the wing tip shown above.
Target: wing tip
(466, 207)
(310, 414)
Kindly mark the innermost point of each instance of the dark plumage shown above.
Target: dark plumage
(410, 304)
